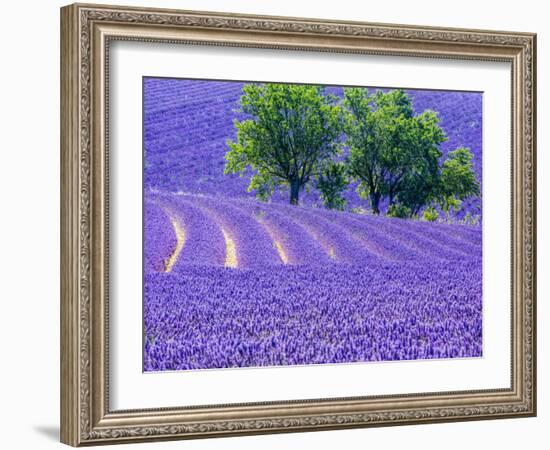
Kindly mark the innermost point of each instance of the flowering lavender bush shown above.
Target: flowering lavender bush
(159, 239)
(215, 317)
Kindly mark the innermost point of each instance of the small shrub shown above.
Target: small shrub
(400, 211)
(430, 214)
(470, 219)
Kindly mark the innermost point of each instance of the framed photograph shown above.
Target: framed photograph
(274, 224)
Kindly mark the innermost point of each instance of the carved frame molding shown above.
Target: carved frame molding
(86, 31)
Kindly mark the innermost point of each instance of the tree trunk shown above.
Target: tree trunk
(294, 192)
(375, 201)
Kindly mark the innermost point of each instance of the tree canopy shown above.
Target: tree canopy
(458, 181)
(293, 136)
(291, 130)
(392, 152)
(331, 182)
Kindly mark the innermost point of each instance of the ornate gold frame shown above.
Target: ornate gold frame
(86, 31)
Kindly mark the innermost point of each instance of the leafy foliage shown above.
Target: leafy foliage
(393, 153)
(293, 134)
(430, 214)
(399, 210)
(458, 180)
(291, 131)
(331, 182)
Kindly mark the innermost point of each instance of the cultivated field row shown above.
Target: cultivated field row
(185, 230)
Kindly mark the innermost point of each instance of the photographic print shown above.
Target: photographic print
(295, 224)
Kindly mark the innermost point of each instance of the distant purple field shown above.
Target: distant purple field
(230, 281)
(187, 124)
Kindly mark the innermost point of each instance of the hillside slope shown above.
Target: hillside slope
(238, 283)
(187, 124)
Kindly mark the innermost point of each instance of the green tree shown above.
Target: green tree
(331, 182)
(393, 153)
(419, 185)
(458, 180)
(290, 133)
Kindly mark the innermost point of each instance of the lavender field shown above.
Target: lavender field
(231, 281)
(187, 124)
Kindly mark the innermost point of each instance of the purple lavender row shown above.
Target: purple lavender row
(159, 239)
(253, 244)
(162, 94)
(356, 239)
(462, 233)
(204, 241)
(297, 244)
(376, 236)
(267, 234)
(404, 234)
(424, 242)
(157, 127)
(441, 236)
(335, 239)
(469, 233)
(213, 317)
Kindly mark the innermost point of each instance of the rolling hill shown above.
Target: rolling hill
(232, 282)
